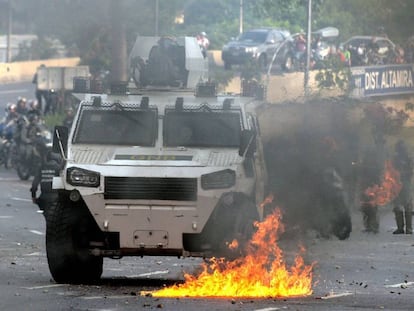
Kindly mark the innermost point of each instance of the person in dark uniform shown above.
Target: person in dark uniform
(370, 175)
(41, 95)
(46, 170)
(403, 202)
(67, 121)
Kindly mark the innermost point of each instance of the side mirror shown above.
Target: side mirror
(60, 140)
(246, 143)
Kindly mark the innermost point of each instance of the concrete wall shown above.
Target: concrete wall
(281, 87)
(24, 71)
(286, 87)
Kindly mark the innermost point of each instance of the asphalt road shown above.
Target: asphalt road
(365, 272)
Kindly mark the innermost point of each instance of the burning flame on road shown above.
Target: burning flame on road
(261, 273)
(388, 190)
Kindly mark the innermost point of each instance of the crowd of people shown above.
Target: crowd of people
(374, 50)
(23, 141)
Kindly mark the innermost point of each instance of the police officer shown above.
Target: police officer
(402, 203)
(21, 106)
(46, 170)
(28, 131)
(371, 170)
(67, 121)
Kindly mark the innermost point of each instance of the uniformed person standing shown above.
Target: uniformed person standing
(403, 202)
(371, 170)
(47, 169)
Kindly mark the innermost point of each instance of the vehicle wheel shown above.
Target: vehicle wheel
(8, 162)
(342, 226)
(262, 61)
(233, 221)
(23, 171)
(227, 66)
(3, 158)
(11, 157)
(68, 231)
(288, 64)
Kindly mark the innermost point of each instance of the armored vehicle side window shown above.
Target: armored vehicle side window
(202, 129)
(117, 127)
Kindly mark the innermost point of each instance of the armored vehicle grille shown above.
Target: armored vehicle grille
(146, 188)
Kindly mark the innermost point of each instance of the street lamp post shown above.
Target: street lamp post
(9, 31)
(156, 17)
(308, 49)
(241, 17)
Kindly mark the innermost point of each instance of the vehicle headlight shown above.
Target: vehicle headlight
(252, 50)
(218, 180)
(81, 177)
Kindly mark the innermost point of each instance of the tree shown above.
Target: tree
(85, 25)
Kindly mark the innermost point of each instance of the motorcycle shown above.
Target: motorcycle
(299, 61)
(6, 142)
(26, 159)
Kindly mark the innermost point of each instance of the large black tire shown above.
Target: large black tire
(262, 62)
(342, 226)
(8, 161)
(23, 171)
(11, 157)
(230, 222)
(68, 232)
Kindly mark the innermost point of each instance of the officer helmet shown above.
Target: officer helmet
(33, 104)
(12, 108)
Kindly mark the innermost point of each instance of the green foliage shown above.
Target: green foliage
(221, 76)
(52, 120)
(251, 71)
(38, 49)
(335, 74)
(84, 26)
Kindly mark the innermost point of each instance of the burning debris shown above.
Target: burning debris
(326, 158)
(389, 188)
(263, 272)
(309, 166)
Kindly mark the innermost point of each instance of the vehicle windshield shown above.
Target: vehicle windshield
(202, 129)
(254, 36)
(114, 126)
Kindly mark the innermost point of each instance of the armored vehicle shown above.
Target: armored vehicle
(166, 168)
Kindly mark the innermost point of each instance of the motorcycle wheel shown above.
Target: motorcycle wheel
(262, 62)
(8, 158)
(23, 171)
(11, 160)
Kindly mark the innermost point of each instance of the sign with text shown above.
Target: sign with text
(382, 80)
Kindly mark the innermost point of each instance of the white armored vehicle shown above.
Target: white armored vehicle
(168, 168)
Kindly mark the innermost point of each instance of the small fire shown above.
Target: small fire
(233, 245)
(261, 273)
(388, 190)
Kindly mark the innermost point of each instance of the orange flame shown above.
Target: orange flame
(261, 273)
(388, 190)
(233, 245)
